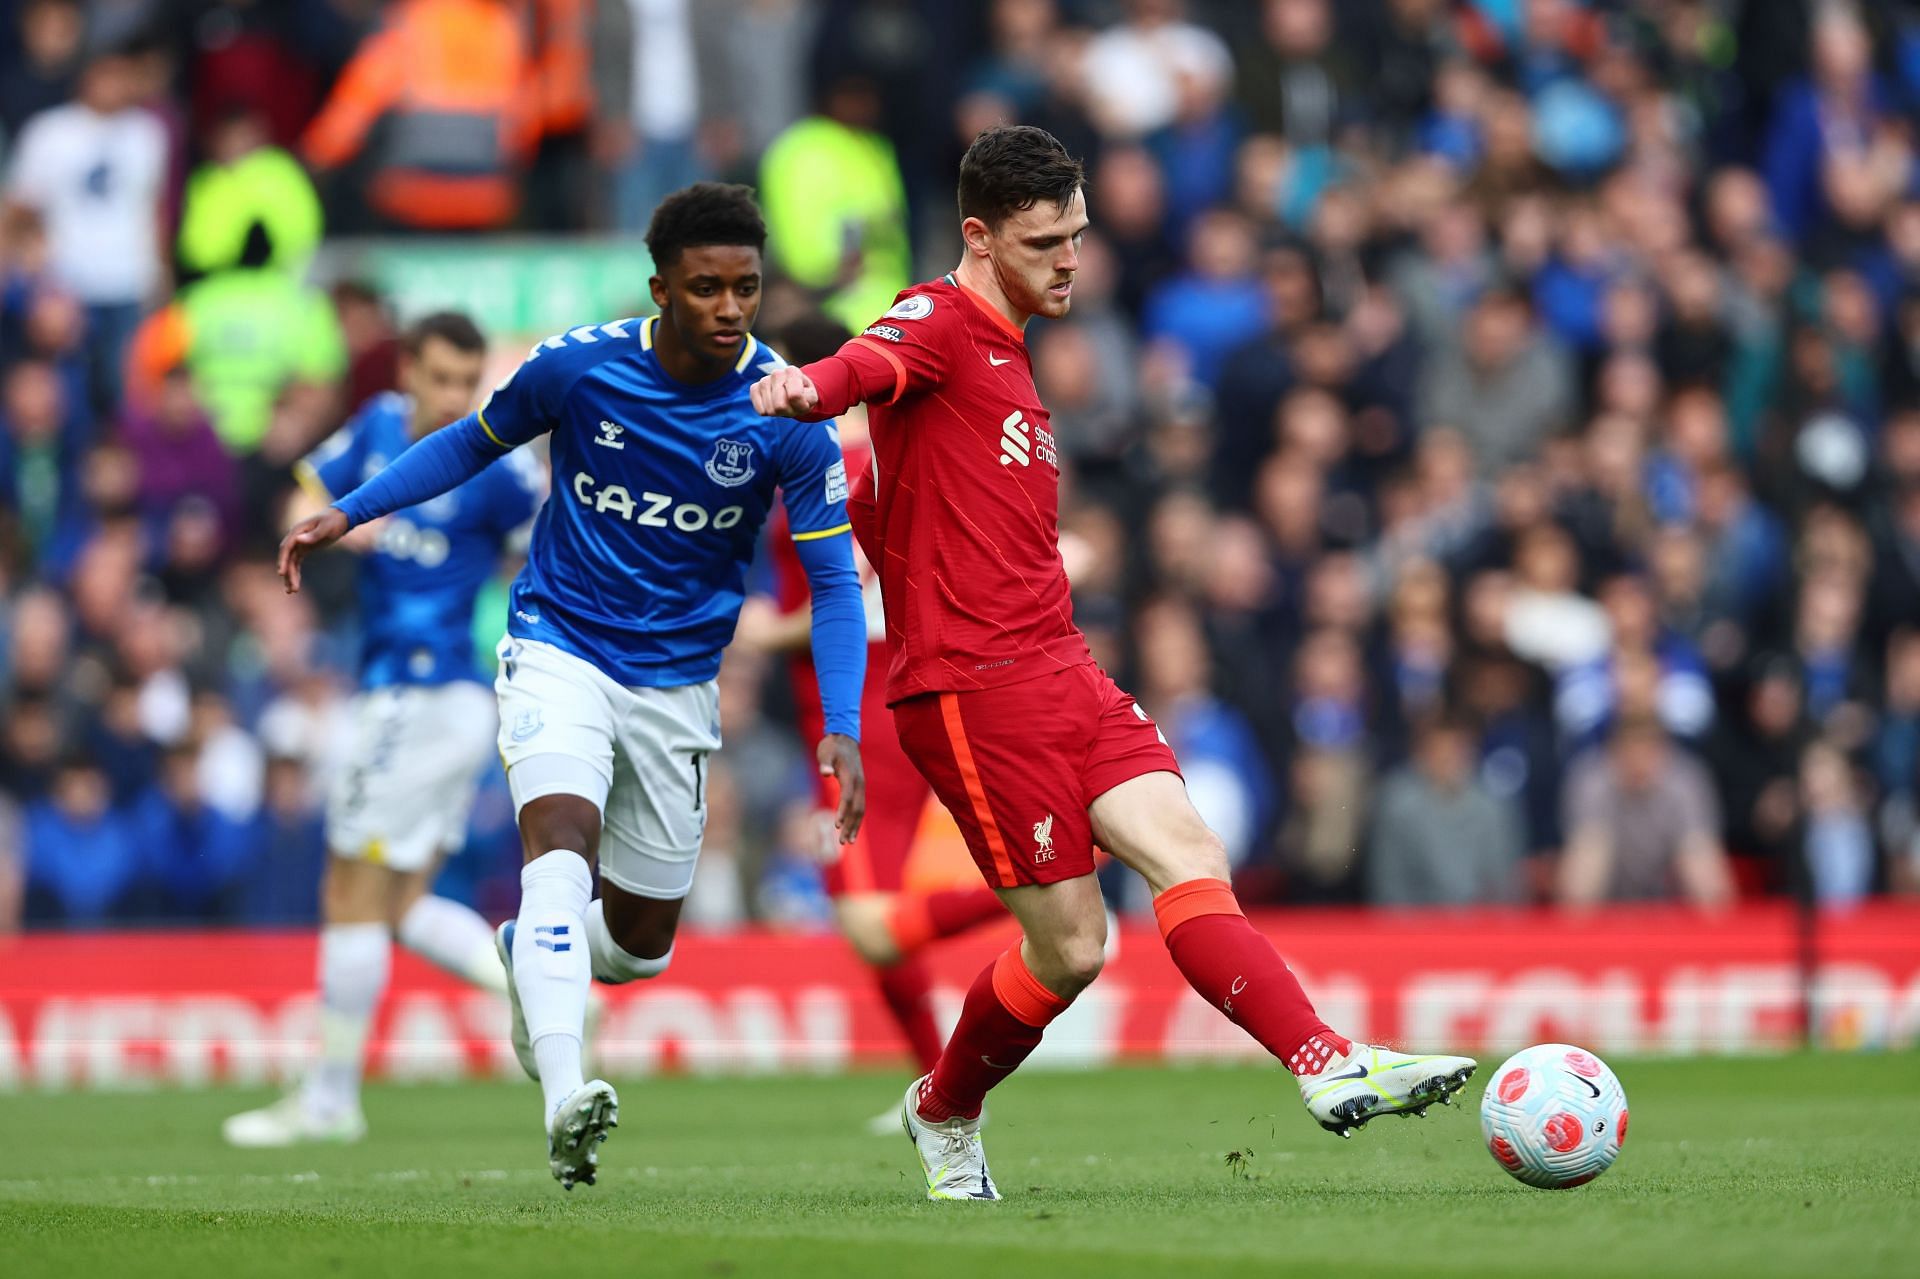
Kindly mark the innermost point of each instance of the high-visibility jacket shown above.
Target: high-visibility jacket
(563, 64)
(224, 201)
(243, 336)
(445, 80)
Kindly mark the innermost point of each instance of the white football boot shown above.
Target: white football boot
(576, 1129)
(1370, 1081)
(951, 1154)
(289, 1122)
(522, 1042)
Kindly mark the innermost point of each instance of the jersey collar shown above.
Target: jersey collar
(1013, 330)
(739, 366)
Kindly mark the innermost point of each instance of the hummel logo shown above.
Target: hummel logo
(1588, 1082)
(609, 436)
(998, 362)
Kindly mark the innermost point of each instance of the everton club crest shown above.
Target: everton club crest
(731, 464)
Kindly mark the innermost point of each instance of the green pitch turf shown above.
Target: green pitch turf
(1801, 1166)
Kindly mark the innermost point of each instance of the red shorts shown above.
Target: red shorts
(876, 861)
(1018, 766)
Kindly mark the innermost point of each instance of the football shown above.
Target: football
(1554, 1116)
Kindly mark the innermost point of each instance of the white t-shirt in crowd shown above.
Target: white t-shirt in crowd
(97, 182)
(666, 81)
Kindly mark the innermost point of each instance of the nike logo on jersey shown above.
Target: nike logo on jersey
(998, 362)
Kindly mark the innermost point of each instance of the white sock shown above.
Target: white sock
(354, 962)
(443, 932)
(612, 963)
(551, 968)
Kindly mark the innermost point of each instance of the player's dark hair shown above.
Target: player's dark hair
(705, 213)
(813, 336)
(455, 328)
(1014, 167)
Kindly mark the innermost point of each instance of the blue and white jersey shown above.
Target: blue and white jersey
(638, 563)
(419, 583)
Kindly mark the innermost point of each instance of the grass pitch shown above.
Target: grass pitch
(1796, 1166)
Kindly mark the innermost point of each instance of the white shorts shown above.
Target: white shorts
(639, 754)
(417, 755)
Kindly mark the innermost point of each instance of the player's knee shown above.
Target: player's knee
(1075, 962)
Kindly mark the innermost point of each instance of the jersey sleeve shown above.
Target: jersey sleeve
(518, 488)
(813, 481)
(527, 404)
(334, 468)
(913, 341)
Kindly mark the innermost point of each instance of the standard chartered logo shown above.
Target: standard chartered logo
(651, 510)
(401, 539)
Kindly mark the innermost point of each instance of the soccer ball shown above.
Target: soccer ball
(1554, 1116)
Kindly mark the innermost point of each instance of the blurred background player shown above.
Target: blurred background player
(423, 722)
(633, 583)
(893, 891)
(995, 693)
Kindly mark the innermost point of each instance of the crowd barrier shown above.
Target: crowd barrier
(138, 1009)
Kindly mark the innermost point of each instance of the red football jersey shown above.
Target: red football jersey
(966, 492)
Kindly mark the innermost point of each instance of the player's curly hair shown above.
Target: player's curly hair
(1014, 167)
(705, 213)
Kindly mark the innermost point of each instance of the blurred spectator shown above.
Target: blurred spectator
(254, 341)
(1227, 776)
(445, 82)
(1839, 852)
(1505, 385)
(1208, 311)
(657, 149)
(247, 182)
(836, 206)
(1440, 838)
(1135, 71)
(1642, 825)
(584, 70)
(94, 170)
(40, 76)
(1756, 757)
(84, 857)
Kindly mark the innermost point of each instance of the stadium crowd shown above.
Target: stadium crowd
(1491, 428)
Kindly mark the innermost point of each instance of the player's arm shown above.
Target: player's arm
(328, 470)
(813, 483)
(903, 353)
(520, 408)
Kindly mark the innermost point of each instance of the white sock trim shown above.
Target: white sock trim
(612, 962)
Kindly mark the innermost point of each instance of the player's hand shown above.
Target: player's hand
(785, 393)
(840, 759)
(314, 533)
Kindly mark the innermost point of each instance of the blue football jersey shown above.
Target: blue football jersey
(418, 585)
(638, 563)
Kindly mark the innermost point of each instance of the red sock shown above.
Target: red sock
(908, 987)
(1006, 1010)
(919, 918)
(1238, 971)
